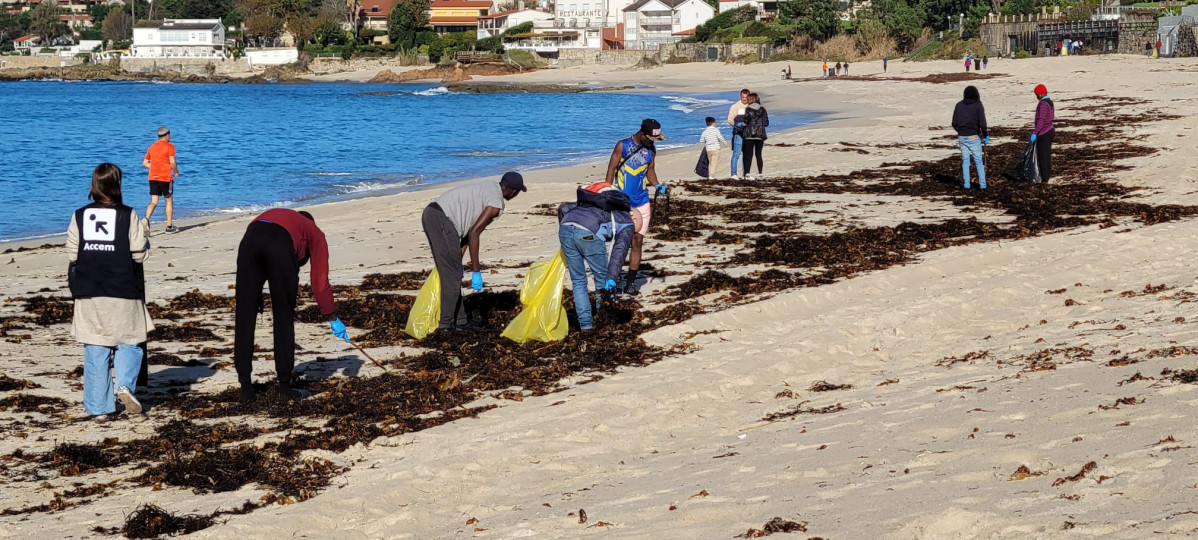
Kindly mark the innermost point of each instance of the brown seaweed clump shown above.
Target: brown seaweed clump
(9, 384)
(776, 525)
(188, 332)
(50, 310)
(151, 521)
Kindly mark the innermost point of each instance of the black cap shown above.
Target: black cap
(513, 180)
(652, 128)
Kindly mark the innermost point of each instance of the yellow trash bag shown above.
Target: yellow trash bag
(543, 317)
(426, 310)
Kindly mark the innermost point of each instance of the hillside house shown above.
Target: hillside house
(650, 23)
(179, 38)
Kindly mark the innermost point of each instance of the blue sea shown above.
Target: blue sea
(243, 148)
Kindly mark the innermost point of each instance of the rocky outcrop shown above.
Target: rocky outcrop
(447, 74)
(530, 88)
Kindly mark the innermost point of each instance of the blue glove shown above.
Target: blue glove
(476, 281)
(661, 188)
(610, 285)
(339, 329)
(1033, 137)
(986, 141)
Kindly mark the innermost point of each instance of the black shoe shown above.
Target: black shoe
(294, 394)
(632, 290)
(172, 229)
(247, 394)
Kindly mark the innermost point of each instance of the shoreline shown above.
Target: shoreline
(830, 110)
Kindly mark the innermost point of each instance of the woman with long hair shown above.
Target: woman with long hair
(106, 244)
(756, 120)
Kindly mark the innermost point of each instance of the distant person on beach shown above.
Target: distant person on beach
(838, 69)
(1156, 53)
(885, 61)
(274, 248)
(976, 64)
(1044, 131)
(968, 62)
(602, 214)
(969, 119)
(985, 61)
(160, 160)
(712, 140)
(630, 169)
(736, 119)
(1148, 49)
(825, 74)
(846, 69)
(756, 120)
(106, 244)
(454, 224)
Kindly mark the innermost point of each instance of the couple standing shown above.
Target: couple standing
(748, 119)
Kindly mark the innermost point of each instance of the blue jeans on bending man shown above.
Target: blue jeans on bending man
(972, 147)
(583, 248)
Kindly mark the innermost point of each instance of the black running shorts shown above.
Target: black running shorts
(164, 189)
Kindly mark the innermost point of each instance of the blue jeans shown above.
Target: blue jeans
(737, 142)
(98, 397)
(583, 248)
(972, 146)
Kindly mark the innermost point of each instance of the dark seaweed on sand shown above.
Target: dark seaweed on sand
(188, 332)
(151, 521)
(32, 403)
(9, 384)
(776, 525)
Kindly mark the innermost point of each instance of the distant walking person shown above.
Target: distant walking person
(712, 140)
(968, 62)
(454, 224)
(630, 169)
(1156, 53)
(1148, 49)
(1044, 132)
(976, 64)
(969, 119)
(272, 251)
(106, 244)
(736, 119)
(756, 120)
(825, 74)
(838, 69)
(160, 159)
(846, 69)
(985, 61)
(885, 61)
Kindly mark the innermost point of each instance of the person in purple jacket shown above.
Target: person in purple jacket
(1043, 131)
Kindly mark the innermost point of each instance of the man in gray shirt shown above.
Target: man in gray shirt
(453, 224)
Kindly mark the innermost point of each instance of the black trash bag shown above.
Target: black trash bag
(1028, 168)
(701, 168)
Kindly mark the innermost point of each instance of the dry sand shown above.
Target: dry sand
(925, 447)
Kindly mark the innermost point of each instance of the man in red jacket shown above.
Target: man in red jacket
(275, 246)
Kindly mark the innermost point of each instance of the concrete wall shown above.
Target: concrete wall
(325, 66)
(724, 52)
(187, 66)
(575, 57)
(273, 56)
(30, 62)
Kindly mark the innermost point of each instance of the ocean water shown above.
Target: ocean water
(244, 148)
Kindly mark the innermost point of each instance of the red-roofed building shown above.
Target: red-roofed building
(25, 44)
(375, 13)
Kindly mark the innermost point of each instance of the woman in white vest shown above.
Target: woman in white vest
(106, 244)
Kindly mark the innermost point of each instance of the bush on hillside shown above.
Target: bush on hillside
(706, 31)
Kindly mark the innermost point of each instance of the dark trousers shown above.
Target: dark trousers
(752, 149)
(1044, 154)
(266, 255)
(446, 244)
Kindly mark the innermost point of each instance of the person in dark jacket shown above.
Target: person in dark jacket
(602, 213)
(276, 244)
(1044, 132)
(756, 120)
(969, 119)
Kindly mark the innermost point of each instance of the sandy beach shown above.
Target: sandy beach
(1023, 379)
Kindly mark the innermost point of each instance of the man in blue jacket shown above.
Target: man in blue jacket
(602, 213)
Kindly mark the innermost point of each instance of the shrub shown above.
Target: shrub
(314, 49)
(754, 39)
(754, 29)
(706, 31)
(1022, 53)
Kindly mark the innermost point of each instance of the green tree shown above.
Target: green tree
(904, 20)
(727, 19)
(1019, 7)
(819, 19)
(118, 25)
(407, 19)
(44, 21)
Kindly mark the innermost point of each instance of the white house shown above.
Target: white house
(767, 10)
(649, 23)
(498, 23)
(179, 38)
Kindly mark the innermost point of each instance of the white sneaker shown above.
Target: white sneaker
(132, 405)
